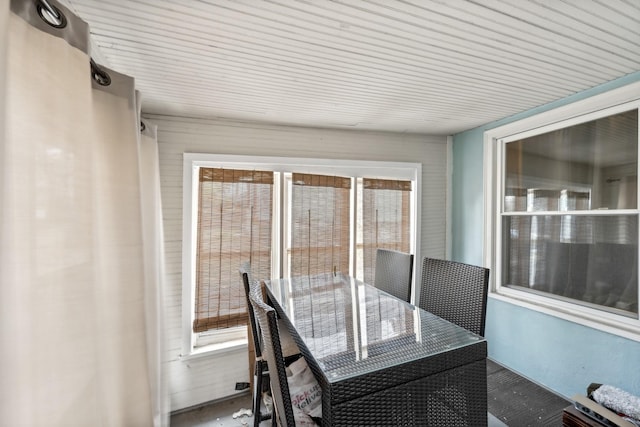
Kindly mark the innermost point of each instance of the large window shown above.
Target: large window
(284, 218)
(565, 216)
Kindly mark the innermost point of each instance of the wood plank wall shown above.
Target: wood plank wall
(204, 379)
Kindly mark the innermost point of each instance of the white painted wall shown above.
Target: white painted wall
(204, 379)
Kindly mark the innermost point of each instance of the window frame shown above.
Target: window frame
(605, 104)
(196, 344)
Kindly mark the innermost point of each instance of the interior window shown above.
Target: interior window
(569, 221)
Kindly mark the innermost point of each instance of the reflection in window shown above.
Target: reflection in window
(566, 226)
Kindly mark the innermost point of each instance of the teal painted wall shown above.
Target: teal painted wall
(467, 198)
(561, 355)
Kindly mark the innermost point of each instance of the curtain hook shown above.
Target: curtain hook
(51, 14)
(142, 126)
(99, 75)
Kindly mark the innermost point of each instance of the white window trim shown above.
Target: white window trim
(616, 100)
(192, 161)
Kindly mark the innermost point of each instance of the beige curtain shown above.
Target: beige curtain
(4, 17)
(77, 288)
(153, 243)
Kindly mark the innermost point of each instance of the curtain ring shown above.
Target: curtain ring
(99, 75)
(51, 14)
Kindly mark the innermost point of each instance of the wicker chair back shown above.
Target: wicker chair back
(456, 292)
(261, 374)
(393, 273)
(272, 352)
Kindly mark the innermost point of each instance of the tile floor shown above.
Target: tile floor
(220, 414)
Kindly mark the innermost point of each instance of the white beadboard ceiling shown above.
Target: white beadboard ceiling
(424, 66)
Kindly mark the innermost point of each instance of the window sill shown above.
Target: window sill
(623, 327)
(212, 350)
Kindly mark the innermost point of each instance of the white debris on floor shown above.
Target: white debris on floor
(243, 415)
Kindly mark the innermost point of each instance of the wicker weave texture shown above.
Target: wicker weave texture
(260, 365)
(255, 331)
(392, 364)
(403, 373)
(393, 273)
(272, 348)
(456, 292)
(322, 311)
(449, 398)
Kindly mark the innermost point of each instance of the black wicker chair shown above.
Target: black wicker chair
(260, 365)
(268, 323)
(456, 292)
(393, 273)
(261, 373)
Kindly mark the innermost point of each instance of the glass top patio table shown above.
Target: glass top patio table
(350, 328)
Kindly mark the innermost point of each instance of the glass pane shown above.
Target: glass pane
(593, 165)
(589, 258)
(320, 224)
(385, 220)
(234, 227)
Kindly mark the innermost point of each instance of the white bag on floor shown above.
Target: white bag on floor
(306, 395)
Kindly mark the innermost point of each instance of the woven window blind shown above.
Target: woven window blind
(234, 227)
(386, 219)
(320, 235)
